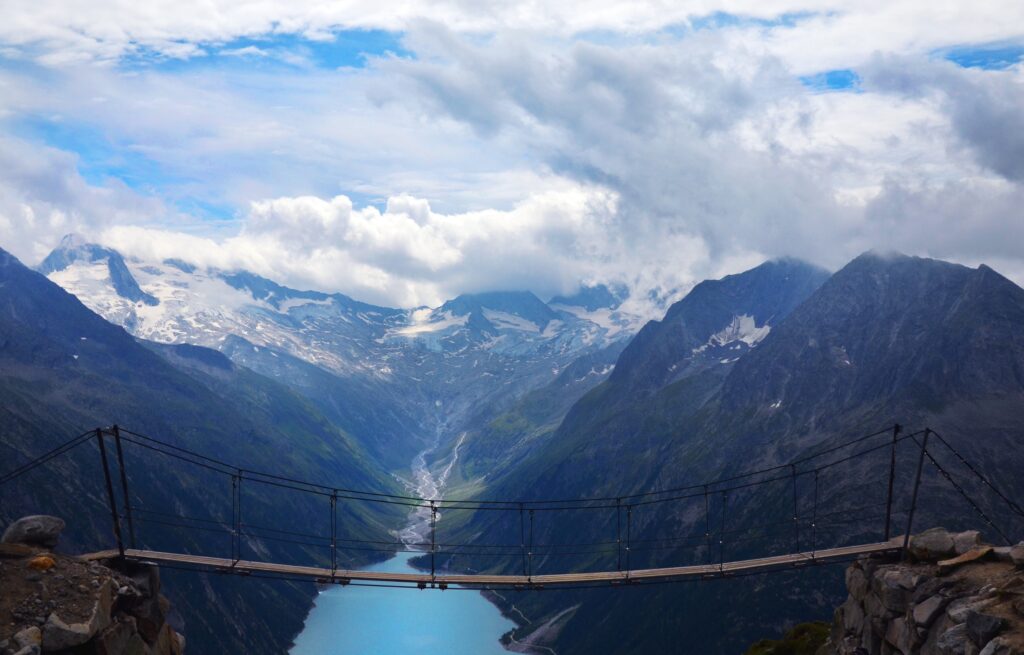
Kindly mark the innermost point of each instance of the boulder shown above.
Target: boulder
(961, 608)
(982, 628)
(1000, 646)
(926, 612)
(114, 640)
(856, 582)
(1002, 553)
(58, 635)
(853, 616)
(1017, 555)
(902, 635)
(39, 530)
(953, 641)
(167, 642)
(892, 588)
(933, 544)
(965, 541)
(150, 615)
(29, 637)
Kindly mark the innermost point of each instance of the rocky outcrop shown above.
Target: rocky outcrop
(70, 606)
(953, 595)
(40, 530)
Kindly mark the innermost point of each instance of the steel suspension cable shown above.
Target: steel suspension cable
(966, 497)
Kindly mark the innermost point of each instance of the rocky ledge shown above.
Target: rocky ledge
(53, 603)
(953, 595)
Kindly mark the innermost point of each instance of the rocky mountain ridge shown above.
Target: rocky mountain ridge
(886, 338)
(422, 370)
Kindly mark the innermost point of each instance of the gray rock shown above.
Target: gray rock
(29, 637)
(892, 588)
(999, 646)
(933, 544)
(926, 612)
(29, 650)
(1017, 555)
(1002, 553)
(852, 616)
(39, 530)
(953, 641)
(982, 628)
(150, 615)
(116, 637)
(902, 635)
(59, 635)
(964, 541)
(959, 609)
(856, 582)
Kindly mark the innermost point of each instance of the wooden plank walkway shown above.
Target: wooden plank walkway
(790, 560)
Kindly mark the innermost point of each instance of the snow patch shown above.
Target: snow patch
(423, 322)
(506, 321)
(741, 328)
(292, 303)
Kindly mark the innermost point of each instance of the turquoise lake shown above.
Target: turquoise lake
(378, 621)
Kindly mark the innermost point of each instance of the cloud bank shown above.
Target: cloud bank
(638, 143)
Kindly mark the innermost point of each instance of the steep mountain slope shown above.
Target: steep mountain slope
(691, 351)
(887, 337)
(498, 438)
(717, 322)
(63, 369)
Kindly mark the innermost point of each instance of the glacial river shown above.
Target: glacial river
(382, 621)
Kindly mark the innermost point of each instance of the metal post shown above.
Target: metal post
(236, 530)
(124, 485)
(814, 517)
(529, 573)
(721, 535)
(629, 537)
(334, 532)
(433, 541)
(796, 514)
(618, 533)
(917, 485)
(707, 522)
(110, 492)
(892, 477)
(522, 536)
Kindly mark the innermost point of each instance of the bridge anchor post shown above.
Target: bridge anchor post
(917, 486)
(892, 477)
(112, 499)
(124, 484)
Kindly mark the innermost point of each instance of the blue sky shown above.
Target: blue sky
(433, 152)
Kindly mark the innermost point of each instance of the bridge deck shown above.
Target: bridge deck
(485, 580)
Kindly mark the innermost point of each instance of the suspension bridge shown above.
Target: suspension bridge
(813, 524)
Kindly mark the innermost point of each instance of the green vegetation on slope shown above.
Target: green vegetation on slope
(802, 639)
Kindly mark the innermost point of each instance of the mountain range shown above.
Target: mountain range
(423, 369)
(520, 398)
(64, 369)
(702, 394)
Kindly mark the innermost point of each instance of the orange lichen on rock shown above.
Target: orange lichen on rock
(41, 563)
